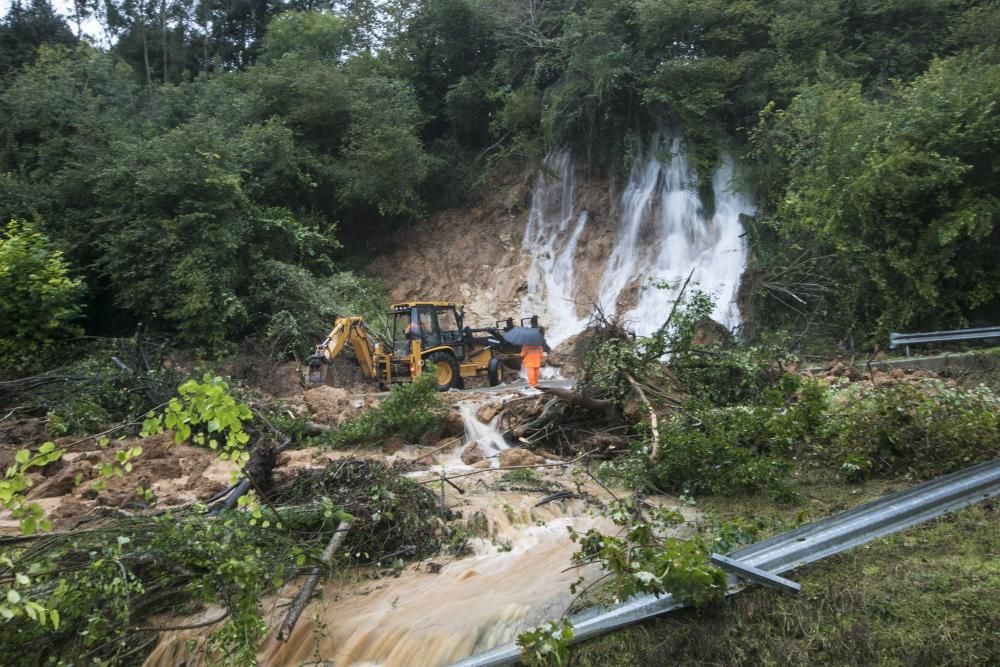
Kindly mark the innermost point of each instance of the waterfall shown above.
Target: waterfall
(551, 237)
(662, 236)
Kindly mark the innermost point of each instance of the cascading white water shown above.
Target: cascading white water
(663, 235)
(490, 440)
(551, 237)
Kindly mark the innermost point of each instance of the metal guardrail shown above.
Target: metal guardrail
(908, 339)
(805, 544)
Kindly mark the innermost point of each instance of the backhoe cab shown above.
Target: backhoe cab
(423, 333)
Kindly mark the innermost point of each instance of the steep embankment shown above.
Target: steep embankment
(555, 242)
(476, 255)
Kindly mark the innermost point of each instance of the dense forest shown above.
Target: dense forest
(210, 168)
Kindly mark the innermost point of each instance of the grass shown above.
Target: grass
(926, 596)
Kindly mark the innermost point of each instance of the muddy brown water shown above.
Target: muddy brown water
(442, 609)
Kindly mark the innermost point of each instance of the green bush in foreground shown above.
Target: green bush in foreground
(411, 410)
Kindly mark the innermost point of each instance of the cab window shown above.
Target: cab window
(446, 319)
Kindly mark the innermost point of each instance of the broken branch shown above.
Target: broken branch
(309, 585)
(653, 423)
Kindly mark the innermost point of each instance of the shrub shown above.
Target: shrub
(728, 454)
(640, 559)
(921, 430)
(40, 300)
(732, 375)
(732, 449)
(411, 410)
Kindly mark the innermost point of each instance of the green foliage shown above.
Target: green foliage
(383, 161)
(299, 308)
(318, 35)
(206, 414)
(644, 560)
(727, 451)
(205, 209)
(736, 374)
(547, 645)
(120, 580)
(913, 430)
(27, 26)
(411, 410)
(15, 484)
(910, 218)
(204, 145)
(41, 300)
(918, 430)
(887, 603)
(105, 394)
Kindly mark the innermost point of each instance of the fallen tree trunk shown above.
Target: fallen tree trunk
(607, 407)
(309, 585)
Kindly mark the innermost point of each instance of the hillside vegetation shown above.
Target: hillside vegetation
(211, 169)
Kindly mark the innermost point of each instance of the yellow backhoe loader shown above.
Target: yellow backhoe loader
(422, 332)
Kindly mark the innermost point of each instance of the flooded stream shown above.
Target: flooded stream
(514, 572)
(515, 575)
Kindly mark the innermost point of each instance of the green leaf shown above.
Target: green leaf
(13, 596)
(22, 456)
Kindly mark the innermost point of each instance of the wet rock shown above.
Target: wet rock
(517, 456)
(159, 446)
(488, 411)
(453, 424)
(295, 458)
(116, 497)
(70, 508)
(443, 443)
(483, 465)
(17, 434)
(432, 436)
(201, 486)
(473, 453)
(393, 445)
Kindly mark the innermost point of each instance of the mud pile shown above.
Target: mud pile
(164, 475)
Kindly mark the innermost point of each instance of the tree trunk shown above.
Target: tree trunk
(163, 33)
(145, 43)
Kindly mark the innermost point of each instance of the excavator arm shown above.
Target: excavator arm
(346, 331)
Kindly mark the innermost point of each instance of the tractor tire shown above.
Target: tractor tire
(446, 367)
(495, 372)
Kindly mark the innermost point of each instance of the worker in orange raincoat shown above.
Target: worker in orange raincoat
(531, 359)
